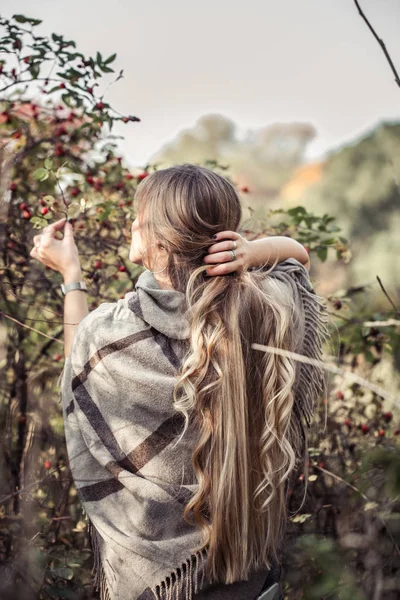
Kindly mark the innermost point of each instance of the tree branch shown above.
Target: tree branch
(380, 42)
(397, 311)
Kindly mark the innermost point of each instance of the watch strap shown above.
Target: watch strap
(74, 285)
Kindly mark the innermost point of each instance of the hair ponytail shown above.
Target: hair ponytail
(241, 400)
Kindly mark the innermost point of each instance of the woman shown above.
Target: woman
(181, 436)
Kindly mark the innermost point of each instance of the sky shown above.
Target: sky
(255, 62)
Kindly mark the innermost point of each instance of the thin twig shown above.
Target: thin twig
(329, 367)
(380, 42)
(397, 311)
(31, 328)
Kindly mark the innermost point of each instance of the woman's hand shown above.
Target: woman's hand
(220, 252)
(60, 255)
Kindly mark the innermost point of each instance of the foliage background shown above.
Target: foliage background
(59, 156)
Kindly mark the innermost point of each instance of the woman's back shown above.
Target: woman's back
(132, 468)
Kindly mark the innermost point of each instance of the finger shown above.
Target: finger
(221, 246)
(223, 269)
(227, 235)
(53, 227)
(68, 231)
(218, 258)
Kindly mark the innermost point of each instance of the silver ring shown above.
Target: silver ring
(233, 254)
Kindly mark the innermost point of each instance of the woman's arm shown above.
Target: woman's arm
(277, 247)
(75, 308)
(250, 254)
(62, 256)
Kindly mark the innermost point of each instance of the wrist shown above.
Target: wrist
(259, 253)
(72, 274)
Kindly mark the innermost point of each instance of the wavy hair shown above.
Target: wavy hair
(240, 400)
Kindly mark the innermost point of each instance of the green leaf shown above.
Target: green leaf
(48, 163)
(38, 222)
(99, 58)
(110, 59)
(63, 572)
(41, 174)
(67, 99)
(23, 19)
(106, 69)
(322, 253)
(34, 70)
(294, 212)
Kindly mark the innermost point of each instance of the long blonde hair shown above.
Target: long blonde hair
(250, 435)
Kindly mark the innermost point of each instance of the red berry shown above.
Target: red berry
(60, 131)
(62, 86)
(388, 416)
(396, 432)
(13, 187)
(57, 357)
(381, 432)
(122, 269)
(126, 119)
(98, 264)
(129, 176)
(337, 304)
(98, 185)
(17, 135)
(75, 192)
(142, 176)
(59, 150)
(364, 428)
(17, 44)
(47, 464)
(23, 206)
(348, 422)
(90, 90)
(90, 179)
(44, 210)
(27, 59)
(26, 214)
(244, 189)
(99, 105)
(119, 185)
(340, 395)
(322, 465)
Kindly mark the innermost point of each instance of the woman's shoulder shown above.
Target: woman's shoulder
(107, 323)
(289, 271)
(113, 312)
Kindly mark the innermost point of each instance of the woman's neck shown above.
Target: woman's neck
(163, 282)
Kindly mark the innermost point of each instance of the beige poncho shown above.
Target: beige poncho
(132, 478)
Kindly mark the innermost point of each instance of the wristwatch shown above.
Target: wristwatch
(75, 285)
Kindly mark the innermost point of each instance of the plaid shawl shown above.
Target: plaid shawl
(132, 480)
